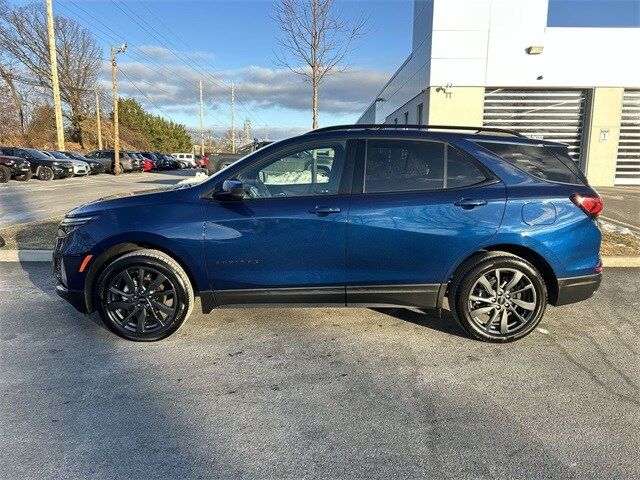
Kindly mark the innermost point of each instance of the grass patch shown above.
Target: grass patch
(39, 235)
(42, 236)
(620, 245)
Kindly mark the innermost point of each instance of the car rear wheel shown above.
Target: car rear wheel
(498, 297)
(45, 174)
(5, 174)
(144, 296)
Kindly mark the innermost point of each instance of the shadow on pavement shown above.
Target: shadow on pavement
(442, 321)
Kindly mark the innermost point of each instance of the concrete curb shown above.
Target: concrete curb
(25, 255)
(45, 256)
(633, 262)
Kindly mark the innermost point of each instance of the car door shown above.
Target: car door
(417, 207)
(285, 241)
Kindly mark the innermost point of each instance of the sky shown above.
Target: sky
(174, 44)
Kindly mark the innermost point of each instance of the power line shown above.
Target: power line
(146, 96)
(174, 53)
(205, 63)
(139, 54)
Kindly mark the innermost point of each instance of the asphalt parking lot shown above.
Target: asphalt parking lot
(318, 393)
(22, 202)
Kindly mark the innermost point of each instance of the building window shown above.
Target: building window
(406, 118)
(395, 121)
(419, 114)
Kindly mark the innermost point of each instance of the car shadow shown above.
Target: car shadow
(437, 319)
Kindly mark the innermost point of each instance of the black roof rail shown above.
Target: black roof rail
(383, 126)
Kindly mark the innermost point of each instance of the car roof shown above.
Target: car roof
(424, 132)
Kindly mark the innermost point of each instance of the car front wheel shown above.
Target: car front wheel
(498, 297)
(5, 174)
(45, 174)
(144, 295)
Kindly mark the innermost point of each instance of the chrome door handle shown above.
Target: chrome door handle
(322, 210)
(469, 203)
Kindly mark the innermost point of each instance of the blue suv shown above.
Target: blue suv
(495, 224)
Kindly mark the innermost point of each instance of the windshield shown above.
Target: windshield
(37, 154)
(59, 156)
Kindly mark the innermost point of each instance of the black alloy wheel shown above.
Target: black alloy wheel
(45, 174)
(144, 295)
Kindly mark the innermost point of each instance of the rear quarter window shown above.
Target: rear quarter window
(546, 163)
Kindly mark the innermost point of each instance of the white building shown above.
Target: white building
(497, 63)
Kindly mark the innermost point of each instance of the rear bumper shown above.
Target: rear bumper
(576, 289)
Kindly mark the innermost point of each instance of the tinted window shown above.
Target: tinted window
(462, 171)
(37, 154)
(397, 165)
(539, 161)
(312, 171)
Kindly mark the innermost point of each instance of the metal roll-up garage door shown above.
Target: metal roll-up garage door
(556, 115)
(628, 164)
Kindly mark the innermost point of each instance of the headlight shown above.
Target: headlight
(10, 162)
(70, 224)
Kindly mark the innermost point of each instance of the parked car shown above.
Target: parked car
(95, 167)
(165, 162)
(185, 160)
(107, 159)
(152, 158)
(498, 224)
(137, 161)
(80, 168)
(202, 161)
(218, 161)
(43, 166)
(14, 167)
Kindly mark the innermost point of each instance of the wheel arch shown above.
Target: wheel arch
(530, 255)
(115, 251)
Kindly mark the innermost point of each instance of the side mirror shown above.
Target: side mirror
(232, 189)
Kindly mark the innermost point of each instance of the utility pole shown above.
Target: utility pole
(201, 122)
(98, 121)
(117, 169)
(233, 118)
(57, 104)
(246, 131)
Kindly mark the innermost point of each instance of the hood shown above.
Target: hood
(124, 200)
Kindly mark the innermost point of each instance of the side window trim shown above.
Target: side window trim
(360, 172)
(347, 166)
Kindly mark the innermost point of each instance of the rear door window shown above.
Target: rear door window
(404, 166)
(547, 163)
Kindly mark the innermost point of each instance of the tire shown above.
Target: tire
(500, 316)
(5, 174)
(45, 174)
(123, 312)
(24, 177)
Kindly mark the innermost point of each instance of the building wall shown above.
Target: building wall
(457, 106)
(601, 153)
(464, 46)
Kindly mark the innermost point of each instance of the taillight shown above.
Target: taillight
(592, 205)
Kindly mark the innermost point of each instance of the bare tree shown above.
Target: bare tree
(16, 97)
(316, 40)
(23, 38)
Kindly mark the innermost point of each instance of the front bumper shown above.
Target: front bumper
(576, 289)
(62, 172)
(75, 298)
(21, 169)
